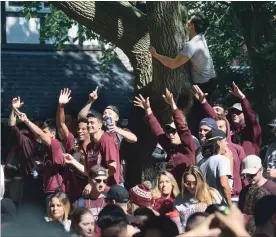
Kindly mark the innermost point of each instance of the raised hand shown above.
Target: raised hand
(93, 96)
(199, 94)
(22, 117)
(16, 103)
(168, 97)
(87, 190)
(64, 96)
(142, 102)
(68, 159)
(237, 92)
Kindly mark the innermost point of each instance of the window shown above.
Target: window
(17, 6)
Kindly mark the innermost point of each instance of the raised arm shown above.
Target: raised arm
(153, 122)
(171, 63)
(201, 97)
(16, 104)
(93, 96)
(64, 99)
(180, 123)
(35, 129)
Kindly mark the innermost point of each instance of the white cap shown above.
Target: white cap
(251, 164)
(237, 106)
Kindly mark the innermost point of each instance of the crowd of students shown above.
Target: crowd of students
(77, 164)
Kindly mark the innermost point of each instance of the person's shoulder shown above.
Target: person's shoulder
(270, 186)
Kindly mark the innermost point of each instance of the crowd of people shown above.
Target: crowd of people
(215, 182)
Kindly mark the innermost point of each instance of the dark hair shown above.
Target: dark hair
(111, 215)
(211, 209)
(83, 120)
(95, 114)
(192, 219)
(265, 208)
(50, 124)
(209, 149)
(200, 22)
(115, 230)
(76, 217)
(162, 223)
(144, 211)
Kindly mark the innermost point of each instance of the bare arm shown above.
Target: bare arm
(16, 104)
(171, 63)
(68, 159)
(128, 136)
(35, 129)
(12, 119)
(92, 98)
(226, 189)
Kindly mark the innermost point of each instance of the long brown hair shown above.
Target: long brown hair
(175, 189)
(203, 193)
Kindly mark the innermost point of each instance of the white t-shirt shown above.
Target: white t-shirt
(213, 168)
(202, 68)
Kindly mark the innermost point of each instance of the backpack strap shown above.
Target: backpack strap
(81, 203)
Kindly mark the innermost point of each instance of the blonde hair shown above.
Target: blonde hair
(63, 199)
(156, 193)
(203, 192)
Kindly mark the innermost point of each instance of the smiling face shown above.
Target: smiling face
(87, 225)
(203, 130)
(165, 185)
(56, 209)
(222, 146)
(219, 110)
(190, 183)
(94, 125)
(83, 133)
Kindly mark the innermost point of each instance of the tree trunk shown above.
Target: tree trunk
(128, 28)
(255, 21)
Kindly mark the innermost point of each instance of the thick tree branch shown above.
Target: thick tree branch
(118, 22)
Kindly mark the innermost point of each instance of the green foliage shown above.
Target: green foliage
(55, 26)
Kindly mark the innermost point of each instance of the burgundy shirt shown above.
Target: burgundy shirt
(179, 156)
(74, 180)
(269, 186)
(102, 153)
(53, 165)
(163, 205)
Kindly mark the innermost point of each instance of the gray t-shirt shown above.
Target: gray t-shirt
(213, 168)
(202, 68)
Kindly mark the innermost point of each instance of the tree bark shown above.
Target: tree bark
(258, 32)
(128, 28)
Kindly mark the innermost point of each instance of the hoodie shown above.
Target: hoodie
(236, 150)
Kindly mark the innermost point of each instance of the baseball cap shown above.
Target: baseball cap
(210, 122)
(236, 106)
(170, 128)
(118, 194)
(215, 135)
(97, 170)
(251, 164)
(113, 108)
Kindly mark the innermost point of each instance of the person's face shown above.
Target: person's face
(190, 25)
(165, 185)
(237, 116)
(219, 110)
(56, 209)
(49, 133)
(172, 134)
(222, 126)
(190, 183)
(93, 125)
(83, 133)
(254, 178)
(203, 130)
(87, 225)
(98, 183)
(222, 146)
(110, 113)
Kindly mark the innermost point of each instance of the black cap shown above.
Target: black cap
(215, 135)
(118, 194)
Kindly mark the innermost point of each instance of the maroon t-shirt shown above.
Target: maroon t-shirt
(53, 166)
(102, 153)
(163, 205)
(269, 186)
(74, 180)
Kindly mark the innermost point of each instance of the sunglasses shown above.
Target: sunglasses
(170, 131)
(98, 181)
(235, 111)
(250, 176)
(190, 183)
